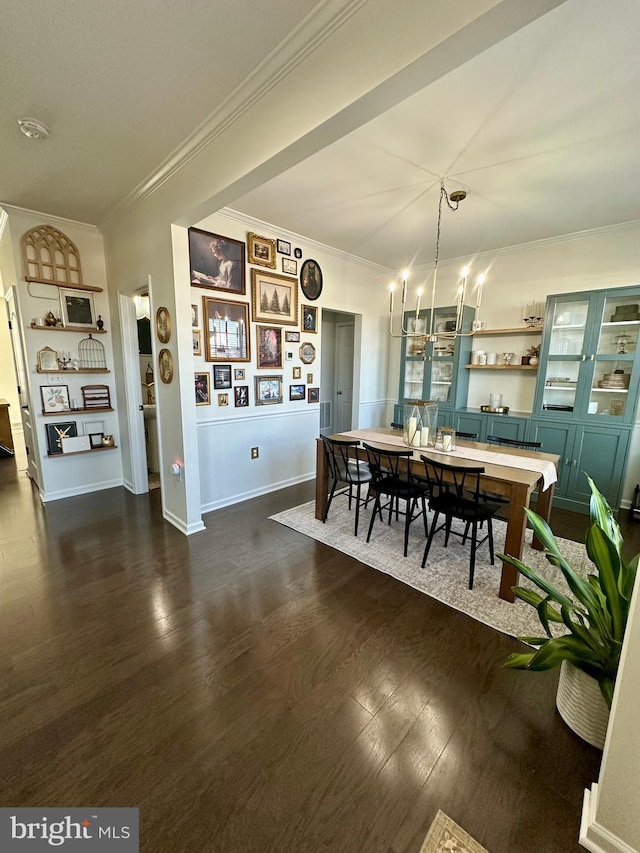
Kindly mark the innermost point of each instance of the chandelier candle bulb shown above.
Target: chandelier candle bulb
(405, 276)
(479, 288)
(418, 303)
(392, 287)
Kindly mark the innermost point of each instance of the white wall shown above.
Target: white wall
(285, 433)
(7, 374)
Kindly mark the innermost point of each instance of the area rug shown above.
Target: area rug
(446, 575)
(445, 836)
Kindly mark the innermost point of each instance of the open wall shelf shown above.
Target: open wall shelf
(73, 370)
(93, 329)
(67, 412)
(80, 452)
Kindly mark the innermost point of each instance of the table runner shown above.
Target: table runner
(475, 454)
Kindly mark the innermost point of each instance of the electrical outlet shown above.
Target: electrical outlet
(55, 380)
(255, 452)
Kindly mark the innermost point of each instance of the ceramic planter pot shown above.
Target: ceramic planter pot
(581, 704)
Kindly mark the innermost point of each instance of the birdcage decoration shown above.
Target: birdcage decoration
(91, 354)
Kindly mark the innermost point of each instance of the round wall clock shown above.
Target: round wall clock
(165, 365)
(307, 353)
(311, 279)
(163, 325)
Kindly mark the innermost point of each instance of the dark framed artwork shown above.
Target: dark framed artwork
(216, 262)
(274, 298)
(297, 253)
(56, 432)
(261, 250)
(241, 396)
(77, 309)
(95, 439)
(239, 374)
(221, 376)
(313, 395)
(296, 392)
(284, 247)
(289, 266)
(309, 318)
(268, 390)
(226, 327)
(269, 340)
(202, 388)
(311, 279)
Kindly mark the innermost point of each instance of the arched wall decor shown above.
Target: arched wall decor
(50, 257)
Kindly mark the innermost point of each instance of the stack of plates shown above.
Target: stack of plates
(615, 380)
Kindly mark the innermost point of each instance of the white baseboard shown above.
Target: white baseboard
(46, 497)
(255, 493)
(595, 837)
(178, 523)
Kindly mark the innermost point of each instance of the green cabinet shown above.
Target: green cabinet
(435, 370)
(590, 359)
(489, 423)
(593, 449)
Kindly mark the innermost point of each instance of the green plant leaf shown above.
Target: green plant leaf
(603, 553)
(533, 598)
(518, 660)
(602, 515)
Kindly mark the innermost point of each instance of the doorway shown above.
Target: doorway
(338, 375)
(139, 359)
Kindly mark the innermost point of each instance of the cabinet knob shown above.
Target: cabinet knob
(584, 357)
(575, 462)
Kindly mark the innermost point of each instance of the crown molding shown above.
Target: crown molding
(317, 26)
(544, 241)
(12, 208)
(258, 224)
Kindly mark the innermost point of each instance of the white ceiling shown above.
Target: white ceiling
(120, 84)
(542, 130)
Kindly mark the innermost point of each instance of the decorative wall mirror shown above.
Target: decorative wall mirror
(47, 359)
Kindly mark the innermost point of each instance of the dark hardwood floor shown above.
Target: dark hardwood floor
(250, 689)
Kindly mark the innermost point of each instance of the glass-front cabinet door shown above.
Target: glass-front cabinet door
(434, 370)
(562, 361)
(589, 356)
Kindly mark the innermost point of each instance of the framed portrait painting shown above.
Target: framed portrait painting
(163, 325)
(165, 366)
(77, 308)
(202, 389)
(226, 326)
(311, 279)
(274, 298)
(268, 390)
(269, 347)
(313, 395)
(310, 318)
(262, 251)
(216, 262)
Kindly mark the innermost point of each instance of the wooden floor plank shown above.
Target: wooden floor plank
(251, 689)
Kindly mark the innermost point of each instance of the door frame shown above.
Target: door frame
(132, 389)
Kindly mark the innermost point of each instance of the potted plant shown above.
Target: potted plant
(595, 619)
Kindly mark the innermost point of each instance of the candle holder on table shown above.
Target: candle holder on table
(420, 422)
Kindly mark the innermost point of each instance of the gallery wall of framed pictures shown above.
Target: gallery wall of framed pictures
(255, 319)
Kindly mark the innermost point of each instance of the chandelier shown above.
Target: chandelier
(453, 200)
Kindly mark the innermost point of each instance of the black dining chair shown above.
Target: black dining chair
(455, 493)
(344, 467)
(469, 436)
(391, 474)
(514, 442)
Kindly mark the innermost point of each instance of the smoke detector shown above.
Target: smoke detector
(33, 128)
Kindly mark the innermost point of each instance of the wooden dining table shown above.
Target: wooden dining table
(516, 484)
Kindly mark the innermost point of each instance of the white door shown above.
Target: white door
(344, 377)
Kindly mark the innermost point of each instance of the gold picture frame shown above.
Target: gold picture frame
(261, 250)
(165, 366)
(274, 298)
(163, 325)
(307, 353)
(47, 359)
